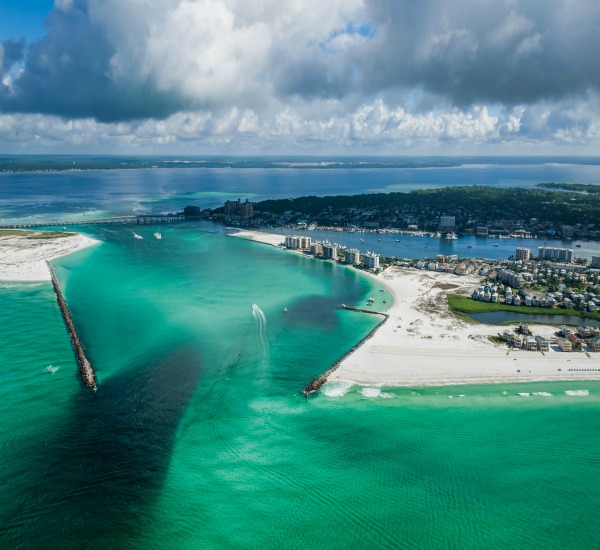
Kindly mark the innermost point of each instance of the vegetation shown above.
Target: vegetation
(49, 235)
(467, 204)
(11, 232)
(467, 306)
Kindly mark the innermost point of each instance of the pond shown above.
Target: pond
(499, 317)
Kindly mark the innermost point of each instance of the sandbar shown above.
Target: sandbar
(24, 259)
(423, 344)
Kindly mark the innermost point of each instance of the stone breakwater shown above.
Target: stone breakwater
(316, 383)
(85, 367)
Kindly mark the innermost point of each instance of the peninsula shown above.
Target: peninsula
(424, 344)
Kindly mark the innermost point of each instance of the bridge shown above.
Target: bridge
(138, 220)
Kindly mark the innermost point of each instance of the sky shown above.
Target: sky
(305, 77)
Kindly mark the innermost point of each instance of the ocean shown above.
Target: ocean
(200, 437)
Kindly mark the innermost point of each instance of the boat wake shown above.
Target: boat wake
(261, 320)
(158, 235)
(137, 236)
(52, 369)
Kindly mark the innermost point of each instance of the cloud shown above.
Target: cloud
(347, 72)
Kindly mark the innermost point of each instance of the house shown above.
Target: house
(594, 343)
(542, 343)
(576, 342)
(564, 344)
(531, 343)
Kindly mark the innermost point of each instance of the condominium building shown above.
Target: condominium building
(371, 260)
(297, 242)
(523, 254)
(330, 251)
(352, 256)
(553, 253)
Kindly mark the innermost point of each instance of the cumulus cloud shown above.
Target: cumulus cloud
(344, 71)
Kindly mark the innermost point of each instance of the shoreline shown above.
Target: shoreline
(24, 260)
(424, 344)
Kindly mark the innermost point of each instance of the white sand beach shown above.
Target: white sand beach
(24, 259)
(423, 344)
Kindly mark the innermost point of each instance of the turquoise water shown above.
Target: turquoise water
(200, 438)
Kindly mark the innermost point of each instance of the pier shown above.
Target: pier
(138, 220)
(316, 383)
(85, 367)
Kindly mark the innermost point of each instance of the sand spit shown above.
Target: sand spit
(24, 259)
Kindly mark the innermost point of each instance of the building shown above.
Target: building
(564, 344)
(553, 253)
(330, 251)
(316, 248)
(482, 232)
(511, 278)
(371, 260)
(567, 232)
(531, 343)
(243, 210)
(447, 223)
(542, 343)
(594, 344)
(297, 243)
(523, 254)
(576, 343)
(352, 256)
(595, 261)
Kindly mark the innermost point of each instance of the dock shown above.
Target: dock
(86, 370)
(316, 383)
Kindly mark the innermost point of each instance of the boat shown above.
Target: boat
(362, 240)
(451, 236)
(397, 240)
(496, 244)
(285, 309)
(137, 236)
(158, 235)
(578, 245)
(469, 246)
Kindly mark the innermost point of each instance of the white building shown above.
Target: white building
(371, 260)
(297, 243)
(552, 253)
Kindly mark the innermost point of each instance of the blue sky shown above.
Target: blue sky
(23, 18)
(301, 76)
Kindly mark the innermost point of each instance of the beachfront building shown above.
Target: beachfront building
(576, 342)
(594, 343)
(297, 243)
(371, 260)
(447, 223)
(523, 254)
(542, 343)
(352, 256)
(531, 343)
(316, 248)
(557, 254)
(330, 251)
(564, 344)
